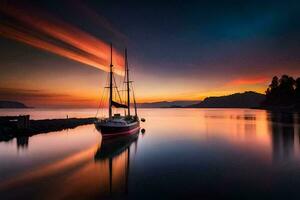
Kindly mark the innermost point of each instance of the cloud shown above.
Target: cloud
(27, 93)
(248, 81)
(56, 36)
(40, 98)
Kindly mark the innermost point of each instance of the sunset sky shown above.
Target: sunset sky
(55, 53)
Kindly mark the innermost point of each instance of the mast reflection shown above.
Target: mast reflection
(113, 157)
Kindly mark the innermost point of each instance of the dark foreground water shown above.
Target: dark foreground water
(183, 154)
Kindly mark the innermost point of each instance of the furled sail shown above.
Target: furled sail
(118, 105)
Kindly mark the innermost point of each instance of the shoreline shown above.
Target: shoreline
(283, 109)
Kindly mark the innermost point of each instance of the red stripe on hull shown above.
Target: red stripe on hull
(121, 133)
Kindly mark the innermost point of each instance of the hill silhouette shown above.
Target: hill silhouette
(166, 104)
(12, 104)
(247, 99)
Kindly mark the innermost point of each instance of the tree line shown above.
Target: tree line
(283, 92)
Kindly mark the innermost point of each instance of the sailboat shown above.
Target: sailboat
(117, 125)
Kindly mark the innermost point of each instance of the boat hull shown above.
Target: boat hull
(116, 131)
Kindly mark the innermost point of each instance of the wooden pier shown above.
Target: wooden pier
(14, 126)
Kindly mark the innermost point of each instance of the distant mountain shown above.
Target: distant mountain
(12, 104)
(238, 100)
(166, 104)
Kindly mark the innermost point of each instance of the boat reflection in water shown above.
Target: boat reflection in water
(114, 158)
(99, 171)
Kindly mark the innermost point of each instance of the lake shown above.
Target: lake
(181, 153)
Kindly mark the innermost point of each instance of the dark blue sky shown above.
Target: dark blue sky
(196, 32)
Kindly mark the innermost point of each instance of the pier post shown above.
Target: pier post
(23, 121)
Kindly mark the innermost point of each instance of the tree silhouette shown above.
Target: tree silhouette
(283, 92)
(286, 90)
(297, 90)
(272, 92)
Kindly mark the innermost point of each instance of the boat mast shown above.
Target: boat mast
(110, 84)
(127, 81)
(135, 108)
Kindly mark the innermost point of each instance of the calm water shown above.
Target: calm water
(184, 153)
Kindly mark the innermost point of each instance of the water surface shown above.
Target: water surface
(184, 153)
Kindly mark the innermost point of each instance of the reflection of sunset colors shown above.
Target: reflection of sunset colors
(242, 128)
(96, 174)
(70, 42)
(209, 135)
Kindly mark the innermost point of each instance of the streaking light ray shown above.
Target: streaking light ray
(91, 50)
